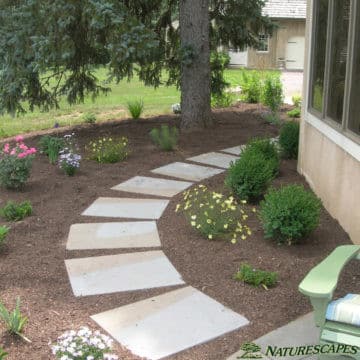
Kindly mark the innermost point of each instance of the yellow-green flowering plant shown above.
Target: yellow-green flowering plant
(214, 215)
(108, 149)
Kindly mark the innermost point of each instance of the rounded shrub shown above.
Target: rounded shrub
(268, 149)
(250, 176)
(289, 139)
(289, 214)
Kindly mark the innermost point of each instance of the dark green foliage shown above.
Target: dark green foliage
(16, 212)
(222, 101)
(165, 137)
(268, 149)
(136, 108)
(250, 176)
(273, 93)
(51, 146)
(294, 113)
(90, 118)
(289, 139)
(219, 61)
(251, 86)
(256, 277)
(289, 214)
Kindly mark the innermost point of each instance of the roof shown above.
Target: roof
(286, 9)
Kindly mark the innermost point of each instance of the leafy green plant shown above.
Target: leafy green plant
(14, 321)
(4, 230)
(294, 113)
(16, 212)
(273, 96)
(222, 101)
(289, 214)
(250, 176)
(219, 61)
(297, 100)
(89, 118)
(51, 146)
(165, 137)
(3, 354)
(289, 139)
(268, 148)
(109, 150)
(213, 215)
(15, 164)
(256, 277)
(251, 86)
(136, 108)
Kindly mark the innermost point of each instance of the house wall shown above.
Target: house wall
(330, 162)
(278, 43)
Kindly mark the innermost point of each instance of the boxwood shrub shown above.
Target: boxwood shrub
(289, 214)
(289, 139)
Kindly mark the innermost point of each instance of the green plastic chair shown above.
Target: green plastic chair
(319, 285)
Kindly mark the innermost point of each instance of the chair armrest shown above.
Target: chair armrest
(320, 283)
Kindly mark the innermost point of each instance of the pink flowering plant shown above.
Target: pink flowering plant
(15, 164)
(83, 345)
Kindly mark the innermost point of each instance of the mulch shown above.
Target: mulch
(32, 263)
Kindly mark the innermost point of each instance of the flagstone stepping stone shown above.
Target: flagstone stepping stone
(215, 159)
(187, 171)
(127, 208)
(138, 234)
(236, 150)
(153, 186)
(123, 272)
(167, 324)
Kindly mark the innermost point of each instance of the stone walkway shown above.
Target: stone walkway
(169, 323)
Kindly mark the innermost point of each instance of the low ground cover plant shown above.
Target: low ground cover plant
(224, 100)
(213, 215)
(16, 212)
(14, 320)
(289, 214)
(15, 164)
(89, 118)
(250, 176)
(289, 139)
(4, 230)
(69, 159)
(136, 108)
(108, 149)
(294, 113)
(51, 146)
(268, 148)
(255, 277)
(83, 344)
(166, 137)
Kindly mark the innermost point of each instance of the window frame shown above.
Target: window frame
(342, 128)
(267, 43)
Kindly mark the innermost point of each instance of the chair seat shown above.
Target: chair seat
(345, 310)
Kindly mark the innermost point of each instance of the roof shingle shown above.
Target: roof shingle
(289, 9)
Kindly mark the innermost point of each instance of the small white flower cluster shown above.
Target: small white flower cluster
(176, 108)
(72, 160)
(83, 344)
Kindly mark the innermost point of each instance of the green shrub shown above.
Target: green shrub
(297, 100)
(289, 214)
(136, 108)
(213, 215)
(219, 61)
(294, 113)
(51, 146)
(14, 321)
(3, 233)
(273, 93)
(250, 176)
(251, 86)
(256, 277)
(268, 148)
(222, 101)
(109, 150)
(89, 118)
(16, 212)
(165, 137)
(3, 354)
(289, 139)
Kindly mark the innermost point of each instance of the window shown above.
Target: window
(335, 66)
(264, 43)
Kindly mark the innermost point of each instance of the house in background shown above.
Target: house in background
(329, 156)
(285, 49)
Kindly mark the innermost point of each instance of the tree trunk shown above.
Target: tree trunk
(195, 67)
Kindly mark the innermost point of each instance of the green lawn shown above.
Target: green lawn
(106, 107)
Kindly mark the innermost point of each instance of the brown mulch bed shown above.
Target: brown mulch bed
(32, 262)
